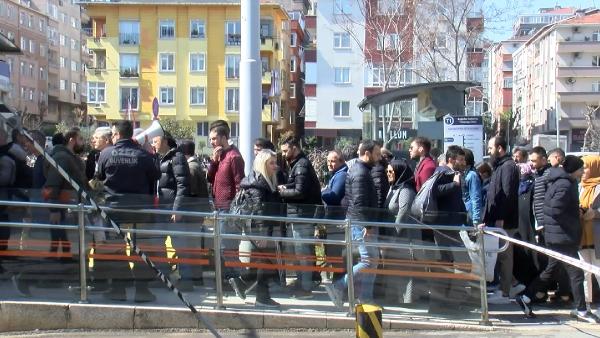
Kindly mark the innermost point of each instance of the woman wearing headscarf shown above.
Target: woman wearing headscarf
(399, 200)
(589, 200)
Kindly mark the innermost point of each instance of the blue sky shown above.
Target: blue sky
(502, 29)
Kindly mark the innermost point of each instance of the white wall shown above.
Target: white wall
(328, 59)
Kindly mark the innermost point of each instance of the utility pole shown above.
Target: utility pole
(250, 81)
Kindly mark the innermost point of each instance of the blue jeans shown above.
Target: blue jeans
(302, 249)
(363, 282)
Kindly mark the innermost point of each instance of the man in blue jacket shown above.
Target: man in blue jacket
(335, 191)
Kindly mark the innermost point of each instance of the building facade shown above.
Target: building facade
(557, 76)
(187, 57)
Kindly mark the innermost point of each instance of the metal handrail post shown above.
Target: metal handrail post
(349, 265)
(218, 271)
(82, 255)
(482, 281)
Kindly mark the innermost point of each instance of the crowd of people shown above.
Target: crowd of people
(541, 197)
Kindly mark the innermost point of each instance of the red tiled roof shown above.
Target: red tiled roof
(586, 19)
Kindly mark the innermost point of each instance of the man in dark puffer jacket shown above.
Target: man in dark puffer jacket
(302, 192)
(173, 188)
(563, 235)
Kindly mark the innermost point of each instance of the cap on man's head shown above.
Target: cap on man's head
(572, 164)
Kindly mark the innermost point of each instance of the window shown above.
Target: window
(63, 84)
(74, 44)
(388, 42)
(342, 75)
(341, 7)
(42, 73)
(233, 30)
(63, 40)
(96, 91)
(31, 70)
(22, 68)
(23, 43)
(53, 11)
(508, 82)
(63, 17)
(167, 29)
(74, 87)
(293, 39)
(73, 22)
(596, 35)
(197, 62)
(167, 95)
(341, 108)
(63, 62)
(22, 19)
(129, 94)
(31, 46)
(197, 95)
(292, 90)
(293, 64)
(235, 129)
(390, 7)
(74, 65)
(596, 86)
(167, 62)
(129, 65)
(42, 50)
(341, 40)
(232, 99)
(197, 29)
(129, 32)
(202, 129)
(30, 94)
(232, 65)
(596, 60)
(42, 25)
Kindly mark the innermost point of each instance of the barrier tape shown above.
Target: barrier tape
(86, 196)
(569, 260)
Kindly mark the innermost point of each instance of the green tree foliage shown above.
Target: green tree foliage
(179, 130)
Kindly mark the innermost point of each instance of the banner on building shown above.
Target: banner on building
(466, 132)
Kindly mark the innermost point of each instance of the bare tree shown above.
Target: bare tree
(591, 139)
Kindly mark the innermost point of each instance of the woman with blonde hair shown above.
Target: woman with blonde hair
(260, 188)
(589, 200)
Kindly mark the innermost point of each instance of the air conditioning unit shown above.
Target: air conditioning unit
(576, 55)
(571, 80)
(575, 29)
(568, 38)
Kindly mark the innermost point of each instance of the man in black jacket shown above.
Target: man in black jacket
(302, 192)
(362, 205)
(563, 234)
(502, 210)
(129, 174)
(173, 188)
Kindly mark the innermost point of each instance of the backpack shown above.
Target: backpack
(424, 206)
(24, 173)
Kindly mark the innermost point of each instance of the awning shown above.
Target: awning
(7, 46)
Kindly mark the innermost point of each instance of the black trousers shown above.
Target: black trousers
(546, 277)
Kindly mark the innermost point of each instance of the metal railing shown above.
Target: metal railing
(217, 236)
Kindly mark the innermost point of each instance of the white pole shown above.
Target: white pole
(250, 81)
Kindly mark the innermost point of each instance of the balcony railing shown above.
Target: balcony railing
(233, 39)
(129, 72)
(132, 39)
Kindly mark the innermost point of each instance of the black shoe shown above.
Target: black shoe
(21, 286)
(143, 295)
(525, 304)
(302, 294)
(238, 287)
(266, 303)
(116, 293)
(587, 317)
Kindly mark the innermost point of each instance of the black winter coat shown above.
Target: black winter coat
(361, 194)
(174, 182)
(539, 194)
(302, 187)
(127, 171)
(263, 201)
(382, 186)
(451, 208)
(502, 202)
(561, 209)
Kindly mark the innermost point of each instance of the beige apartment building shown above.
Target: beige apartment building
(47, 79)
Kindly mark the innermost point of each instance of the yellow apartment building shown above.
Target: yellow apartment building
(186, 54)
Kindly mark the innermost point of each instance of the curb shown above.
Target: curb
(21, 316)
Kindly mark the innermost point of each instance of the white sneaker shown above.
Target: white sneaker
(498, 299)
(515, 290)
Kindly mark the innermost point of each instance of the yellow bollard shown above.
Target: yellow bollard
(368, 321)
